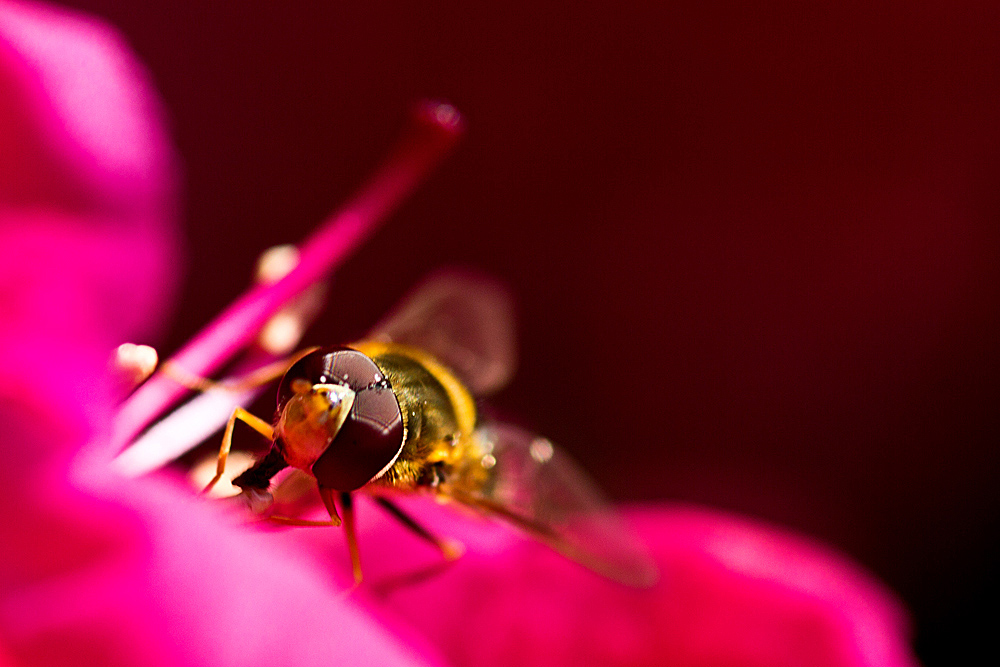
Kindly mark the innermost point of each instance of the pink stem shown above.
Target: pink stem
(434, 130)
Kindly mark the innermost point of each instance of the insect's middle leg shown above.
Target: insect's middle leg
(327, 496)
(347, 508)
(450, 549)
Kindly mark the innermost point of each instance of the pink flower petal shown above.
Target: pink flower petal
(733, 592)
(80, 117)
(99, 570)
(141, 573)
(81, 133)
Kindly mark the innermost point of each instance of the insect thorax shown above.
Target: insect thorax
(439, 416)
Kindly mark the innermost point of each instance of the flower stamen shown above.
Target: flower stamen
(433, 132)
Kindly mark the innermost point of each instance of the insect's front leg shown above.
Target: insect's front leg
(254, 422)
(263, 375)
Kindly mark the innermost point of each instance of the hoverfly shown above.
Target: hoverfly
(396, 414)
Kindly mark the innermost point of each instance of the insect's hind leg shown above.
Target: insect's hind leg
(450, 549)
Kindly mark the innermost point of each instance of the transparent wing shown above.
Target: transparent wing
(540, 488)
(465, 321)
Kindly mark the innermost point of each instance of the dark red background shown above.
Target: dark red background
(756, 249)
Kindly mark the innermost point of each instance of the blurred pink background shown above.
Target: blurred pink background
(755, 248)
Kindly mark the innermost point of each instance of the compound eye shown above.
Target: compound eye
(333, 398)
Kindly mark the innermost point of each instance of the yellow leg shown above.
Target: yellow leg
(256, 423)
(327, 496)
(289, 521)
(263, 375)
(347, 509)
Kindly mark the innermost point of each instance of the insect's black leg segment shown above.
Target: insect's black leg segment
(347, 510)
(254, 422)
(450, 549)
(539, 530)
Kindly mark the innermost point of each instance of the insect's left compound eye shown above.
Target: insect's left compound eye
(371, 436)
